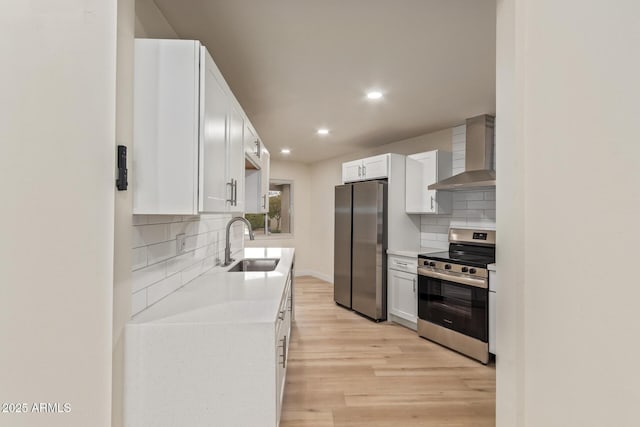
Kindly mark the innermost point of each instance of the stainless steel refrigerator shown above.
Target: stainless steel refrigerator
(360, 248)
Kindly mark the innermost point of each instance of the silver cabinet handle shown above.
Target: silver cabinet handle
(281, 314)
(401, 263)
(258, 148)
(230, 185)
(364, 171)
(359, 171)
(235, 192)
(414, 285)
(264, 201)
(431, 202)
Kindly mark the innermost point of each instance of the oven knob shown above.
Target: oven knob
(432, 264)
(447, 267)
(472, 271)
(465, 269)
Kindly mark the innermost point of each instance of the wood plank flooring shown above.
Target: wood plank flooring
(347, 371)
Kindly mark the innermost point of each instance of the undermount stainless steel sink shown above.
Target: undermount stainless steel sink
(255, 264)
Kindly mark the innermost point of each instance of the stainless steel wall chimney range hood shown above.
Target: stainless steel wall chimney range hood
(478, 171)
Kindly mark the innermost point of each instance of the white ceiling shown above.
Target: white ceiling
(297, 65)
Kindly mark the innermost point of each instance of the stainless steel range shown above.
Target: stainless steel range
(453, 293)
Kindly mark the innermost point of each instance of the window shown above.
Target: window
(279, 219)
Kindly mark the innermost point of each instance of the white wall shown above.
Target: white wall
(150, 22)
(300, 239)
(123, 200)
(326, 175)
(57, 133)
(568, 94)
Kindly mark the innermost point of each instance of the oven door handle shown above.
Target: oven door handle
(463, 280)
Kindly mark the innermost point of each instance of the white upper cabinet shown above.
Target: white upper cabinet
(376, 167)
(264, 179)
(256, 172)
(252, 145)
(188, 132)
(235, 159)
(422, 170)
(215, 189)
(352, 171)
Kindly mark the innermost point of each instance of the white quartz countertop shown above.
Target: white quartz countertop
(413, 254)
(220, 297)
(491, 267)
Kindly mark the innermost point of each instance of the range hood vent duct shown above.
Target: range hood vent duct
(479, 171)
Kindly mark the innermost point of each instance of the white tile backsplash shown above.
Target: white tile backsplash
(157, 268)
(139, 301)
(163, 288)
(471, 209)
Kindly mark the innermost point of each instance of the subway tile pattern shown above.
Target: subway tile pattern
(158, 270)
(471, 209)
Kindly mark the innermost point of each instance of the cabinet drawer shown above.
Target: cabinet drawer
(400, 263)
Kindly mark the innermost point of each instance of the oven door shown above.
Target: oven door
(461, 307)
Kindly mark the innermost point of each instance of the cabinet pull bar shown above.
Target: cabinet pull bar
(235, 192)
(230, 185)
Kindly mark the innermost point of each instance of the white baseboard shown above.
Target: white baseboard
(315, 274)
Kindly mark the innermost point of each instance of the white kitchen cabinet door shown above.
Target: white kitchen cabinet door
(376, 167)
(402, 289)
(166, 114)
(352, 171)
(264, 179)
(257, 185)
(235, 160)
(252, 145)
(216, 191)
(422, 170)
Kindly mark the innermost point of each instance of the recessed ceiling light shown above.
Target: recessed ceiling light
(374, 94)
(323, 131)
(285, 151)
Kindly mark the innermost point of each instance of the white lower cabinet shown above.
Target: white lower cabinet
(283, 338)
(195, 373)
(402, 291)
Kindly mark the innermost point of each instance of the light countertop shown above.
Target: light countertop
(220, 297)
(491, 267)
(413, 254)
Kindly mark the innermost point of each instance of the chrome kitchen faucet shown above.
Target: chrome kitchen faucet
(227, 249)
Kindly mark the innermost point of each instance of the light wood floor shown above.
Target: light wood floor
(347, 371)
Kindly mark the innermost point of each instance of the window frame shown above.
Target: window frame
(274, 236)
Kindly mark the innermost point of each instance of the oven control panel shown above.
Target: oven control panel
(449, 267)
(480, 236)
